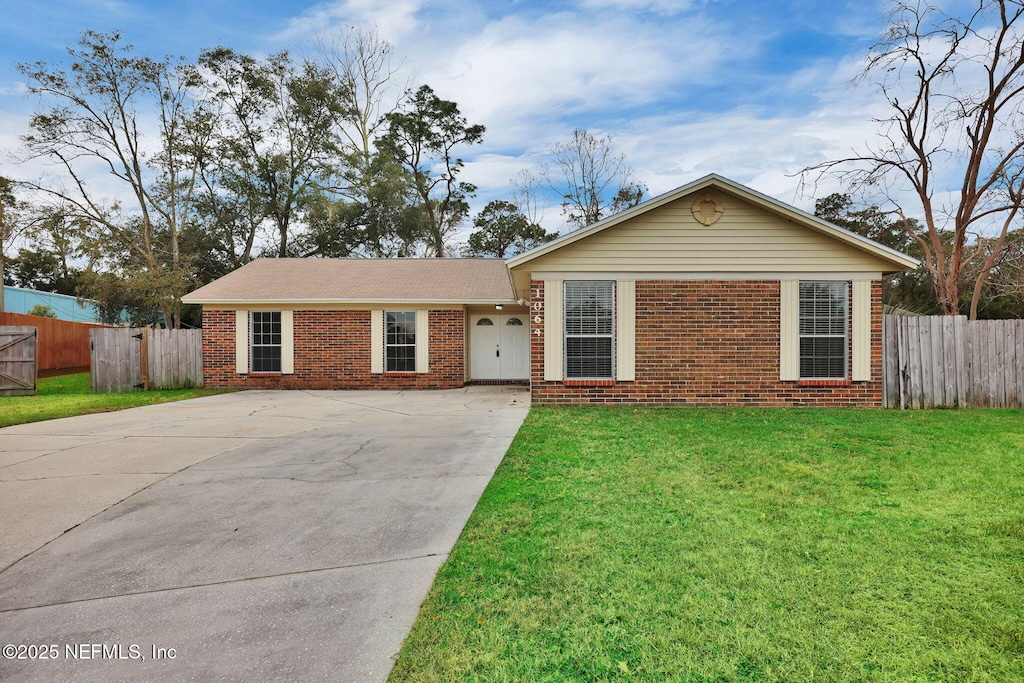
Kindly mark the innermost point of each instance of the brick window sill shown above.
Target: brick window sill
(589, 382)
(401, 374)
(823, 383)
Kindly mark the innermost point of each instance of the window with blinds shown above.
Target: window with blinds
(589, 329)
(824, 320)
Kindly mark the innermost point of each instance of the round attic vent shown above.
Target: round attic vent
(707, 208)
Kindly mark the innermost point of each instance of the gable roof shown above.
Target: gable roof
(897, 259)
(283, 280)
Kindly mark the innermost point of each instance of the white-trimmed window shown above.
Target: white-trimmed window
(400, 341)
(265, 337)
(824, 317)
(589, 307)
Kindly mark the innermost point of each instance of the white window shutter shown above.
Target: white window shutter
(242, 342)
(789, 330)
(377, 341)
(287, 343)
(422, 341)
(861, 352)
(625, 330)
(554, 327)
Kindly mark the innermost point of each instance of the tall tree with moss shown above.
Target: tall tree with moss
(372, 207)
(95, 107)
(502, 231)
(7, 222)
(276, 144)
(423, 137)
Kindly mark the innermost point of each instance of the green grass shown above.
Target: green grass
(68, 395)
(745, 545)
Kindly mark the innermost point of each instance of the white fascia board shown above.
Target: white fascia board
(707, 275)
(343, 302)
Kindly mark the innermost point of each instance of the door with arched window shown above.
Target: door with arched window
(500, 346)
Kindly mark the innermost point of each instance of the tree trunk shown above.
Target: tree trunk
(282, 229)
(3, 227)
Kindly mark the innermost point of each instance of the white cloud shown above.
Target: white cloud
(664, 7)
(393, 18)
(113, 7)
(645, 71)
(16, 89)
(521, 77)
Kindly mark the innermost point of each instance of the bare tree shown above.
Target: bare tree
(954, 88)
(526, 187)
(591, 178)
(378, 210)
(365, 66)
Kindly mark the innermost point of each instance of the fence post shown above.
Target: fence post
(144, 357)
(890, 382)
(901, 358)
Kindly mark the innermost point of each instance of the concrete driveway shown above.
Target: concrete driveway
(277, 536)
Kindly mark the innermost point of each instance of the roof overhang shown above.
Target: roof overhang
(341, 303)
(898, 260)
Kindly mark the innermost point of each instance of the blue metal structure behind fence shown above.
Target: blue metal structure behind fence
(19, 300)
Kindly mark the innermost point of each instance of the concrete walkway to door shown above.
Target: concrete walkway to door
(260, 535)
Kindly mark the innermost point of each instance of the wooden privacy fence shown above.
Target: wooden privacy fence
(18, 357)
(132, 359)
(948, 361)
(61, 344)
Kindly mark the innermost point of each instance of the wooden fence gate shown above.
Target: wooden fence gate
(947, 361)
(131, 359)
(18, 347)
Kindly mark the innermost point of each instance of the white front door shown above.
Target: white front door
(515, 347)
(485, 340)
(500, 346)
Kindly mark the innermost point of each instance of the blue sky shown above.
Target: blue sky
(754, 90)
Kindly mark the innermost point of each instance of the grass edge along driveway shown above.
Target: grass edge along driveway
(70, 395)
(738, 545)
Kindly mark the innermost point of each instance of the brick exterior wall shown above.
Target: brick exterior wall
(708, 343)
(332, 351)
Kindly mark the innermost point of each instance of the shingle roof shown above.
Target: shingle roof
(386, 279)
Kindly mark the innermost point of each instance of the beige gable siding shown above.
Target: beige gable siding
(669, 239)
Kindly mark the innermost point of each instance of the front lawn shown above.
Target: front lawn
(68, 395)
(743, 545)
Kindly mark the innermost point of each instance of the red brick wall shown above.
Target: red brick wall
(332, 351)
(709, 343)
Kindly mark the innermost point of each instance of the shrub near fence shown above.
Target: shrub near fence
(948, 361)
(62, 345)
